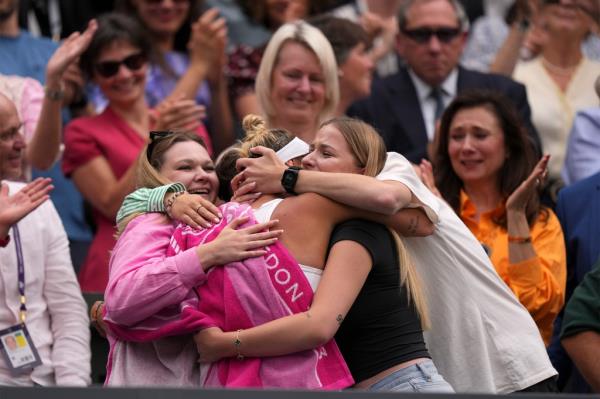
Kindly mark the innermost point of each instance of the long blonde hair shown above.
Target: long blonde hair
(369, 150)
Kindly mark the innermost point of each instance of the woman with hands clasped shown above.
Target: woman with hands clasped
(484, 167)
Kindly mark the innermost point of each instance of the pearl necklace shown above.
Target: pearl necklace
(558, 70)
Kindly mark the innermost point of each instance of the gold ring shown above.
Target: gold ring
(199, 208)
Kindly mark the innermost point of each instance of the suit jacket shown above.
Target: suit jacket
(393, 109)
(578, 209)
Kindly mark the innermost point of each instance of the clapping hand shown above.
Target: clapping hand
(519, 198)
(62, 67)
(15, 207)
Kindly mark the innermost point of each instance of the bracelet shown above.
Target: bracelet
(54, 94)
(96, 308)
(237, 342)
(519, 240)
(171, 201)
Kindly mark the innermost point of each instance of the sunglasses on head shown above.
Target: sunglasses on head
(154, 137)
(423, 35)
(133, 62)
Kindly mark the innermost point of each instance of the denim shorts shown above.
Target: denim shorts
(420, 377)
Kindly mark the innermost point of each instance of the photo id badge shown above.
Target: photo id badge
(18, 350)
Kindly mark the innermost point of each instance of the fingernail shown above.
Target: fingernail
(220, 215)
(216, 220)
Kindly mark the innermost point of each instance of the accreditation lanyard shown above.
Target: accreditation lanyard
(17, 348)
(21, 272)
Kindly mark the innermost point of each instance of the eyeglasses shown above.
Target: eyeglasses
(154, 137)
(133, 62)
(423, 35)
(10, 134)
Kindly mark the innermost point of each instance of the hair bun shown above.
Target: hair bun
(253, 125)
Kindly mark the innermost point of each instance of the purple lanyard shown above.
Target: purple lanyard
(21, 270)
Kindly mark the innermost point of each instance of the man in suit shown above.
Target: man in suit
(404, 107)
(578, 209)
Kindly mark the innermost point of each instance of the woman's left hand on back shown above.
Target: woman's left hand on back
(194, 211)
(519, 198)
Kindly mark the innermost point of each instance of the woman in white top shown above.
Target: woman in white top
(560, 81)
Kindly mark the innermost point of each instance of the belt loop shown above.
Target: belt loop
(424, 370)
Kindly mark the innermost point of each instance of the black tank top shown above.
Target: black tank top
(381, 329)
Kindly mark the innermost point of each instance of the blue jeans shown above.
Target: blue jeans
(420, 377)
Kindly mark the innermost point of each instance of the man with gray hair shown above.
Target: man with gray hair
(41, 306)
(405, 107)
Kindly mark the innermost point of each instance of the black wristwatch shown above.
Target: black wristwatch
(289, 178)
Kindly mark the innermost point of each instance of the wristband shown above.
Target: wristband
(55, 94)
(519, 240)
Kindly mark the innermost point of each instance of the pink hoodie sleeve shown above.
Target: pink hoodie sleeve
(142, 279)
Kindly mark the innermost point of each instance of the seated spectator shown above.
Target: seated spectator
(187, 59)
(581, 327)
(351, 47)
(50, 322)
(582, 158)
(100, 150)
(404, 107)
(578, 209)
(244, 60)
(559, 80)
(39, 109)
(23, 55)
(297, 82)
(487, 172)
(378, 19)
(497, 41)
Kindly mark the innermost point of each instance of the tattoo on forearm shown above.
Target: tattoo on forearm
(339, 319)
(413, 225)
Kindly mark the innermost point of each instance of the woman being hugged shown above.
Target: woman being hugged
(368, 295)
(485, 169)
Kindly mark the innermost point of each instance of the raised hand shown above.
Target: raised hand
(208, 42)
(265, 171)
(519, 198)
(15, 207)
(179, 114)
(67, 54)
(234, 243)
(194, 211)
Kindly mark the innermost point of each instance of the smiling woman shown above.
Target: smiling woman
(100, 150)
(297, 83)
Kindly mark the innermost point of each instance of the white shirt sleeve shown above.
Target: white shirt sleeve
(398, 168)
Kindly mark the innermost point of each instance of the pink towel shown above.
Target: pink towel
(241, 295)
